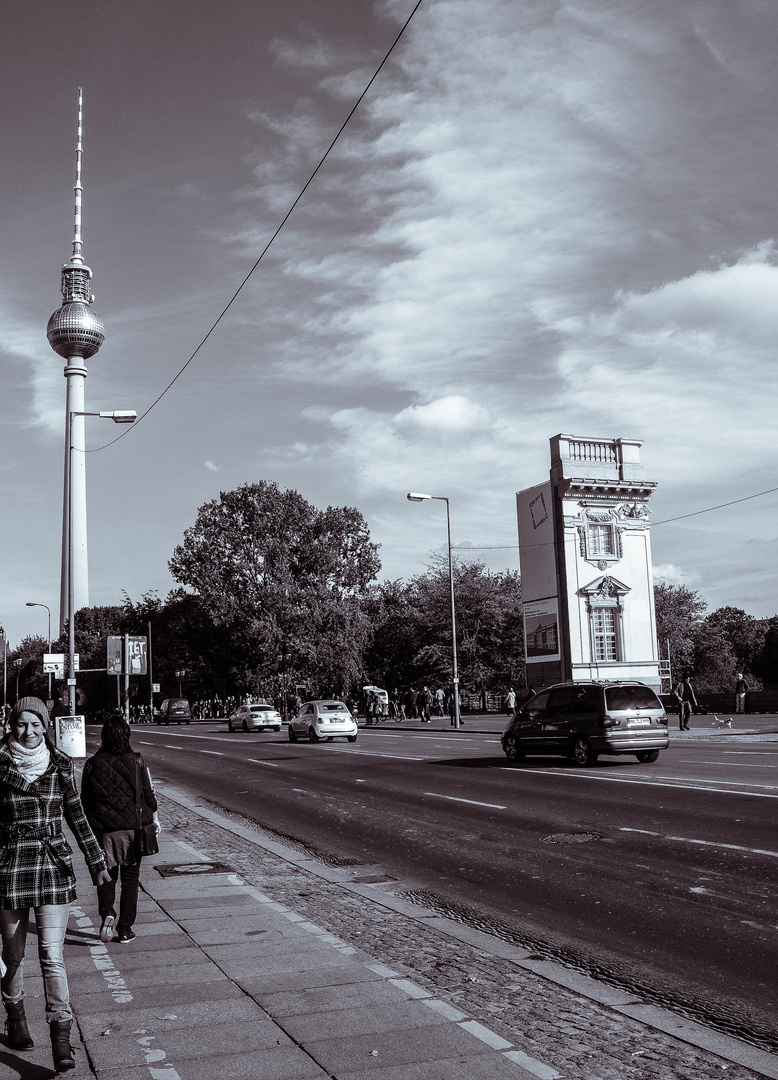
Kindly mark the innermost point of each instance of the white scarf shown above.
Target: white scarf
(30, 763)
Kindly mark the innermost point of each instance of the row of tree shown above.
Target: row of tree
(274, 595)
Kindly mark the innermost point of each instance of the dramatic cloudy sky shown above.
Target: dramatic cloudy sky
(546, 216)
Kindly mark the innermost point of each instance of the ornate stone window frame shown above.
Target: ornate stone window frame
(606, 592)
(610, 518)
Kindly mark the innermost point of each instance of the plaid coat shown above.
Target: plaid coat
(35, 863)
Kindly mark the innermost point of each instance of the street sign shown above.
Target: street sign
(55, 664)
(155, 688)
(70, 735)
(137, 651)
(113, 663)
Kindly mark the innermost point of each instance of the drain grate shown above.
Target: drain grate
(192, 869)
(720, 1019)
(571, 837)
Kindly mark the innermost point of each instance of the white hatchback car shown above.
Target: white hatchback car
(323, 720)
(254, 718)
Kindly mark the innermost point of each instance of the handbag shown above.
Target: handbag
(145, 835)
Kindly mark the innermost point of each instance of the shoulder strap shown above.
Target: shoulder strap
(138, 809)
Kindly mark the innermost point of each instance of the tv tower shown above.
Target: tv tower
(75, 331)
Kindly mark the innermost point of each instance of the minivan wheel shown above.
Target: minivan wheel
(513, 750)
(582, 752)
(647, 756)
(312, 736)
(292, 734)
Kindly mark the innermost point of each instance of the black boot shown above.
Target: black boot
(16, 1026)
(60, 1045)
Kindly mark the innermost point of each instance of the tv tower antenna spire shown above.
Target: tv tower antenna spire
(75, 332)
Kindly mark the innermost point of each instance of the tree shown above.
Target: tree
(767, 663)
(678, 613)
(274, 576)
(32, 681)
(714, 662)
(743, 633)
(412, 629)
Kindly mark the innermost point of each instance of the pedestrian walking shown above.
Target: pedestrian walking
(426, 705)
(119, 801)
(684, 695)
(38, 788)
(510, 702)
(439, 699)
(410, 704)
(741, 689)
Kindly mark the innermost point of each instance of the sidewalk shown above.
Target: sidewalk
(223, 982)
(495, 723)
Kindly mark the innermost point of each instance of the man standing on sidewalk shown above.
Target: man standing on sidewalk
(741, 689)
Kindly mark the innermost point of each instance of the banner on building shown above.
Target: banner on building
(541, 630)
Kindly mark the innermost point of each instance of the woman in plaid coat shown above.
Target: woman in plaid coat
(37, 787)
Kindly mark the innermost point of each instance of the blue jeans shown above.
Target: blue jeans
(52, 922)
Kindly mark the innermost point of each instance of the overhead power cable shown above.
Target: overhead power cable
(262, 254)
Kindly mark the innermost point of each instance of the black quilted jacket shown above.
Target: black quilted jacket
(108, 792)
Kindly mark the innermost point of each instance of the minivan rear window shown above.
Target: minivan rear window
(624, 698)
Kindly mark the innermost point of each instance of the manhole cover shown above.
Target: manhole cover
(571, 837)
(193, 869)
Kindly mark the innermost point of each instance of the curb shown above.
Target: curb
(688, 1031)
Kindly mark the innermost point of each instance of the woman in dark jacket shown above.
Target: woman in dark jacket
(37, 787)
(108, 794)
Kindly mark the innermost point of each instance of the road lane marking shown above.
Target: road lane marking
(471, 802)
(753, 753)
(216, 753)
(706, 843)
(737, 764)
(272, 764)
(372, 753)
(645, 783)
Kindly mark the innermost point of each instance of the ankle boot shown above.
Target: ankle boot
(61, 1049)
(16, 1026)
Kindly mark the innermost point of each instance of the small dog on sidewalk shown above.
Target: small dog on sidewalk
(722, 723)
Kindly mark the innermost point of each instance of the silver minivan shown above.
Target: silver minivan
(582, 720)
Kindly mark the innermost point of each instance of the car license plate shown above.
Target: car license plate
(642, 721)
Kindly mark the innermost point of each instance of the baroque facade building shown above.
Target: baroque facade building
(585, 550)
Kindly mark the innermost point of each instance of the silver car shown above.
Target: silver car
(326, 719)
(254, 718)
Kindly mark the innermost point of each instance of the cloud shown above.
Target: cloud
(454, 414)
(675, 575)
(211, 467)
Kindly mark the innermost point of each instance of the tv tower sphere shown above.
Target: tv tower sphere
(75, 330)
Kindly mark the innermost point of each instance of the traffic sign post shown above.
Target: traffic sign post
(55, 663)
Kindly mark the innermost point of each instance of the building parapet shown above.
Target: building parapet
(582, 457)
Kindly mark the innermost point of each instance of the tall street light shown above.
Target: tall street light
(122, 416)
(416, 496)
(30, 604)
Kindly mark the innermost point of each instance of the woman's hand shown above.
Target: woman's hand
(103, 878)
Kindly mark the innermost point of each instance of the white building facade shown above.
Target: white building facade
(587, 582)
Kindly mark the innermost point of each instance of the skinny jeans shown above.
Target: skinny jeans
(128, 900)
(51, 921)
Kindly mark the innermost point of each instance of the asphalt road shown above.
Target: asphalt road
(675, 890)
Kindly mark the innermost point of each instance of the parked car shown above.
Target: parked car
(323, 720)
(174, 708)
(254, 718)
(582, 720)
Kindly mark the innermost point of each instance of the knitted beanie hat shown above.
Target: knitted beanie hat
(33, 705)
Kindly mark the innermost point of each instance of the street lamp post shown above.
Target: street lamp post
(179, 675)
(30, 604)
(416, 496)
(5, 678)
(123, 416)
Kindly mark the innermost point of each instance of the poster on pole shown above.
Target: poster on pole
(541, 630)
(136, 655)
(113, 661)
(70, 735)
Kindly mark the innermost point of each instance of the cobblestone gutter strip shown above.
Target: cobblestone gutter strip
(586, 1029)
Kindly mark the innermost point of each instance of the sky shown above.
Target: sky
(544, 217)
